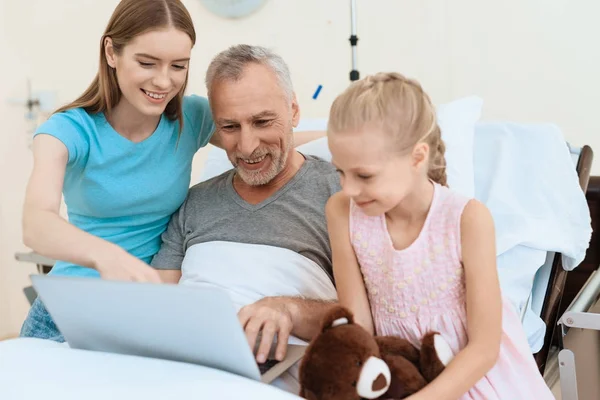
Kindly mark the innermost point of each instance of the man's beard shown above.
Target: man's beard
(276, 163)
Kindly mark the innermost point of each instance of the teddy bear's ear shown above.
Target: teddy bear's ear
(338, 315)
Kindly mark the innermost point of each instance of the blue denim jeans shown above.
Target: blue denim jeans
(39, 324)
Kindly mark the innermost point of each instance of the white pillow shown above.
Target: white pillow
(457, 121)
(216, 163)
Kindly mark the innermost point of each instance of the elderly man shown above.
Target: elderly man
(258, 230)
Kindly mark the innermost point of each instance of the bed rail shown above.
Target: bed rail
(579, 359)
(558, 276)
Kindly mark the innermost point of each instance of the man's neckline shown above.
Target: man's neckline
(306, 165)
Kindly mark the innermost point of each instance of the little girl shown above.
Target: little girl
(412, 256)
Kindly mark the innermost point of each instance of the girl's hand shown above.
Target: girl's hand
(122, 266)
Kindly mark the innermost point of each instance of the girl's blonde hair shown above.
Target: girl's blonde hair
(130, 19)
(398, 106)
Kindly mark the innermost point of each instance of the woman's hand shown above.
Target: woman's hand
(121, 266)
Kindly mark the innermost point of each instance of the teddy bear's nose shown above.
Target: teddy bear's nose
(379, 383)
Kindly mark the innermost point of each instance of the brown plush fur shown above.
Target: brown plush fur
(333, 361)
(431, 366)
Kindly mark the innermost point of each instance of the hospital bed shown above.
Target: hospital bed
(544, 286)
(571, 350)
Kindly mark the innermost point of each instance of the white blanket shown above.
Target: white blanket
(525, 175)
(249, 272)
(45, 370)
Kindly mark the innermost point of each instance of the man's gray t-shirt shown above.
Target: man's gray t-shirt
(292, 218)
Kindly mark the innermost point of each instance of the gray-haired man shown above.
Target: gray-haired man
(268, 211)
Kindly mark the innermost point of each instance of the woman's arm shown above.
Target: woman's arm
(304, 137)
(484, 309)
(47, 233)
(346, 271)
(300, 138)
(169, 275)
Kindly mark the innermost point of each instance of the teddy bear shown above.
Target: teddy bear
(345, 362)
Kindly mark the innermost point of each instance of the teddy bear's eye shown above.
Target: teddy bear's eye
(358, 363)
(354, 384)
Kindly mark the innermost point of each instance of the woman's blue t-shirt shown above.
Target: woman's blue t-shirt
(122, 191)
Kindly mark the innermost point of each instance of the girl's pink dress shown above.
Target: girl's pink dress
(422, 288)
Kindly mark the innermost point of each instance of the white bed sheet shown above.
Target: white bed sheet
(42, 369)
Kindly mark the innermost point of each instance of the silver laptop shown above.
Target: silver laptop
(165, 321)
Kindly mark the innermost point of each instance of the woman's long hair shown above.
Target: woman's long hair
(130, 19)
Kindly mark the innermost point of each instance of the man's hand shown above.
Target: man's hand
(269, 316)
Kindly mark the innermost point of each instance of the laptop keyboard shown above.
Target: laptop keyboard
(267, 365)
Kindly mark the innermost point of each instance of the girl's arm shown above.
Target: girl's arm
(484, 309)
(346, 271)
(48, 234)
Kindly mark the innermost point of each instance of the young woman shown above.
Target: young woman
(121, 154)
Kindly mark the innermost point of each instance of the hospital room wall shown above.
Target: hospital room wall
(530, 60)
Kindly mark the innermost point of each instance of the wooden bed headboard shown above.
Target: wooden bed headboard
(563, 285)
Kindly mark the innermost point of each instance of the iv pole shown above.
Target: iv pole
(354, 75)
